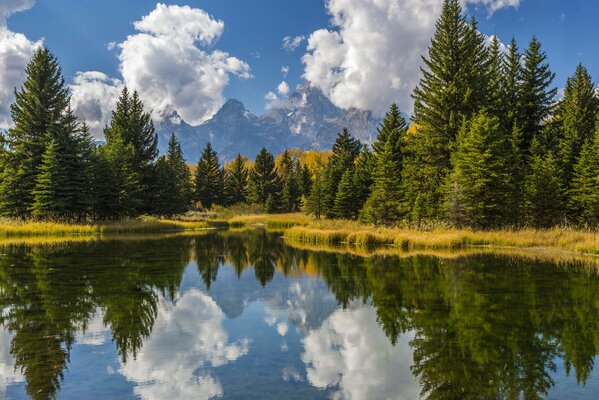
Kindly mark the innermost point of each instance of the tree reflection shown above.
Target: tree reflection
(478, 326)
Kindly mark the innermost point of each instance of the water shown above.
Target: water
(243, 316)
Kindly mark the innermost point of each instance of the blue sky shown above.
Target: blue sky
(79, 33)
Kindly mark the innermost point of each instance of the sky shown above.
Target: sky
(187, 57)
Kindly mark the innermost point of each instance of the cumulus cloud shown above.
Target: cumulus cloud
(15, 51)
(290, 43)
(167, 62)
(187, 336)
(8, 7)
(372, 55)
(351, 353)
(95, 333)
(93, 97)
(285, 71)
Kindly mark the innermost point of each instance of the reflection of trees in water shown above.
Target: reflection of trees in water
(483, 326)
(48, 293)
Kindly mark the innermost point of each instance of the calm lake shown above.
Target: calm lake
(241, 315)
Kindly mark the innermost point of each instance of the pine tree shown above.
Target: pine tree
(512, 71)
(498, 106)
(208, 179)
(345, 150)
(577, 116)
(345, 203)
(315, 200)
(393, 124)
(365, 166)
(133, 126)
(174, 188)
(383, 206)
(291, 195)
(39, 107)
(478, 189)
(51, 194)
(535, 95)
(306, 181)
(584, 192)
(543, 190)
(453, 88)
(264, 180)
(236, 181)
(273, 204)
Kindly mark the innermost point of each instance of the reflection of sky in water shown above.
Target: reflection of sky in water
(239, 340)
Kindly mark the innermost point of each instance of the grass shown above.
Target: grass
(13, 229)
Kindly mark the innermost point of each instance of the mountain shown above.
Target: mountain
(307, 120)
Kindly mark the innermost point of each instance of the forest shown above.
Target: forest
(489, 145)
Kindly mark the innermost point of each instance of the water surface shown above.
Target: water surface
(243, 316)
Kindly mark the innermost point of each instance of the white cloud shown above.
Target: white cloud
(372, 56)
(351, 353)
(94, 95)
(282, 328)
(283, 88)
(8, 7)
(15, 52)
(164, 63)
(95, 332)
(186, 337)
(290, 43)
(285, 71)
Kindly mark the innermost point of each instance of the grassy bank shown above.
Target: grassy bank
(335, 232)
(14, 229)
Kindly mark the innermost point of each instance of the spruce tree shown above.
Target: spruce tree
(544, 191)
(454, 86)
(512, 70)
(264, 180)
(584, 192)
(291, 195)
(306, 181)
(208, 179)
(345, 203)
(535, 94)
(577, 116)
(365, 166)
(498, 106)
(315, 200)
(393, 124)
(51, 193)
(174, 187)
(40, 106)
(133, 126)
(383, 206)
(236, 181)
(478, 189)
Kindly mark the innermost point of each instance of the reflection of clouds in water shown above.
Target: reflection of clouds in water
(187, 335)
(282, 328)
(351, 351)
(95, 332)
(8, 375)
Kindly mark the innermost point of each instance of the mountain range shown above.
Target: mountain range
(307, 119)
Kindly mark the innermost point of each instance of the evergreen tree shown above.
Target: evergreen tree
(584, 192)
(345, 202)
(273, 204)
(291, 196)
(315, 200)
(345, 150)
(131, 125)
(544, 191)
(236, 181)
(208, 179)
(454, 86)
(535, 95)
(306, 181)
(39, 108)
(498, 84)
(512, 70)
(577, 116)
(51, 194)
(365, 166)
(383, 206)
(173, 178)
(264, 180)
(393, 124)
(518, 170)
(478, 188)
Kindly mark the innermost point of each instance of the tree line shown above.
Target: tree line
(489, 145)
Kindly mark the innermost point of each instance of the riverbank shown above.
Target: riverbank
(306, 229)
(15, 229)
(335, 232)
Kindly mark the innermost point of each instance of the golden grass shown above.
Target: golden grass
(15, 229)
